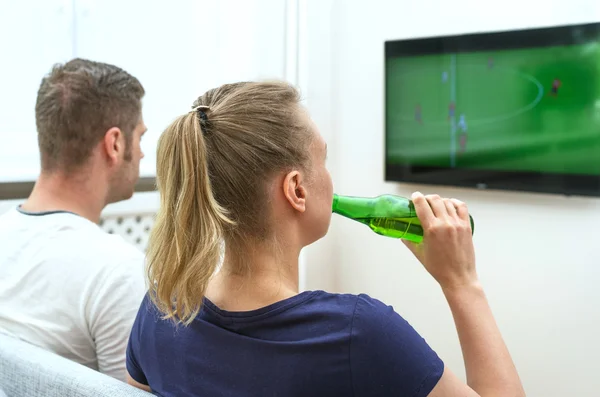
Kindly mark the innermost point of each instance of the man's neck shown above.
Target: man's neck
(57, 192)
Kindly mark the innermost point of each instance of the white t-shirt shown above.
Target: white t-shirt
(69, 287)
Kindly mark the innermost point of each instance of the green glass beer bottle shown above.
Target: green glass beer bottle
(387, 215)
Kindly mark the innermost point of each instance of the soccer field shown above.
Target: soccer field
(511, 119)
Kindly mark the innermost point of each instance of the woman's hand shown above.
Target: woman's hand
(447, 250)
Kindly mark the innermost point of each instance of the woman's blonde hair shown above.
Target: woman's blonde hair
(212, 167)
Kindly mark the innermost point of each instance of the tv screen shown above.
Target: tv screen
(515, 110)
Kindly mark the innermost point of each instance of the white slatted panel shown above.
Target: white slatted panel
(135, 228)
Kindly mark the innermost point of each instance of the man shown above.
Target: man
(65, 285)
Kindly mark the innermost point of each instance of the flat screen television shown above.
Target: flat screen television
(514, 110)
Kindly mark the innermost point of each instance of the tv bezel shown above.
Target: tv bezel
(539, 182)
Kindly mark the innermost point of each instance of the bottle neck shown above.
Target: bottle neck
(336, 199)
(377, 207)
(352, 207)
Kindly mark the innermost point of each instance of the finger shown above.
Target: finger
(437, 205)
(423, 210)
(450, 208)
(461, 209)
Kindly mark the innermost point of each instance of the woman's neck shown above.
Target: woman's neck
(255, 279)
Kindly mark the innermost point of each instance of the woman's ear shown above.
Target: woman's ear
(294, 190)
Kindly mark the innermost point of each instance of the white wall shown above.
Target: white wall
(180, 50)
(177, 51)
(537, 254)
(34, 35)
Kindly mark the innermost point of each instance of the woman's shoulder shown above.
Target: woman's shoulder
(367, 317)
(348, 299)
(354, 305)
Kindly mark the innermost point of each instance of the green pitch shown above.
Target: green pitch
(511, 119)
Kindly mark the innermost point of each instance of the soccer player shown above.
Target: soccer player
(462, 125)
(418, 115)
(451, 110)
(555, 85)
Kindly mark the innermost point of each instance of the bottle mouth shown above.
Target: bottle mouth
(335, 201)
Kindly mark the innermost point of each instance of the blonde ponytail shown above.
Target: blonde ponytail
(212, 174)
(185, 243)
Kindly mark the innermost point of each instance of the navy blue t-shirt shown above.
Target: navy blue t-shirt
(313, 344)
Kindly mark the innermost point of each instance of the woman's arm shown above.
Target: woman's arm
(490, 370)
(448, 255)
(133, 382)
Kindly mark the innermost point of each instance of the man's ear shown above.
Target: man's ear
(113, 144)
(294, 190)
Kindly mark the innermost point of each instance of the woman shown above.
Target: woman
(247, 167)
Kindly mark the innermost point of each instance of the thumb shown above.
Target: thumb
(414, 248)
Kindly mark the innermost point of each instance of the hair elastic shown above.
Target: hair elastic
(200, 109)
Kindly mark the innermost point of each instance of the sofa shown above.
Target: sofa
(30, 371)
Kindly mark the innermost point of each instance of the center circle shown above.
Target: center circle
(509, 93)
